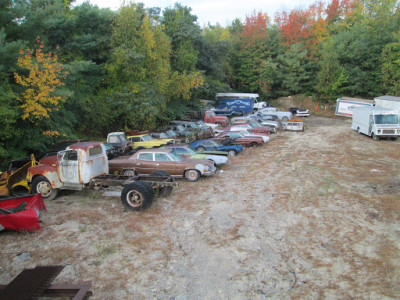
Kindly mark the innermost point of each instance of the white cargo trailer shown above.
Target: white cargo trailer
(388, 102)
(376, 122)
(345, 105)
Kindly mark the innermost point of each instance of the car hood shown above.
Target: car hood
(213, 152)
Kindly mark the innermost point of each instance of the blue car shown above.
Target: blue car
(202, 145)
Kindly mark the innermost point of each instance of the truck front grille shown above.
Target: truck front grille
(388, 131)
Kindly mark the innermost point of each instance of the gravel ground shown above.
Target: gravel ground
(309, 215)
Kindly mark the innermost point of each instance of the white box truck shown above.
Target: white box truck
(376, 122)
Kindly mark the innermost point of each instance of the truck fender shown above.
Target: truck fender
(47, 171)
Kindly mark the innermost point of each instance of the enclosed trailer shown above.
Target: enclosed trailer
(345, 105)
(376, 122)
(388, 102)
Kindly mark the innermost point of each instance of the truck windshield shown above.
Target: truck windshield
(386, 119)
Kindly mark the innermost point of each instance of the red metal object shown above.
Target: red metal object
(27, 219)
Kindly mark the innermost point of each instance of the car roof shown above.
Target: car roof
(85, 145)
(176, 146)
(164, 150)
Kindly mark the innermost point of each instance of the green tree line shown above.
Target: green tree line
(73, 71)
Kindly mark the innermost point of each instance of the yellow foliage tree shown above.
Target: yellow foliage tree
(45, 76)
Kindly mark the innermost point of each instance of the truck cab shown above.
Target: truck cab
(119, 141)
(211, 117)
(72, 168)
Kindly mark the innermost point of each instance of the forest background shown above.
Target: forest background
(77, 71)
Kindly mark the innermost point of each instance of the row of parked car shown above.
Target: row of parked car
(186, 149)
(191, 149)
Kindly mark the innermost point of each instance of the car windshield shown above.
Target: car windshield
(186, 150)
(254, 124)
(386, 119)
(108, 146)
(194, 125)
(147, 138)
(171, 133)
(123, 138)
(175, 156)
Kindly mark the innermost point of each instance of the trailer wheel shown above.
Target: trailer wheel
(164, 191)
(41, 185)
(136, 196)
(375, 137)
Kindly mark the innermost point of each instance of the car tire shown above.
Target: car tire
(375, 137)
(41, 185)
(192, 175)
(200, 148)
(129, 172)
(137, 196)
(232, 153)
(285, 119)
(187, 140)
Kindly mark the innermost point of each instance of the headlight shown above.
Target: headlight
(398, 131)
(379, 131)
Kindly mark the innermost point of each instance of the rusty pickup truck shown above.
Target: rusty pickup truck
(85, 165)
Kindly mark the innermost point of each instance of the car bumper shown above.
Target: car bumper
(210, 172)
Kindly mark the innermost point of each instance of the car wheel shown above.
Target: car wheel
(41, 185)
(231, 153)
(192, 175)
(200, 148)
(285, 119)
(187, 140)
(375, 137)
(253, 144)
(136, 196)
(129, 172)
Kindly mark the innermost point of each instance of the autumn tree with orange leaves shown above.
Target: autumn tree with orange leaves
(45, 75)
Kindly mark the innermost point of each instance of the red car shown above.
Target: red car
(238, 138)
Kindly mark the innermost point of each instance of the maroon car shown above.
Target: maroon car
(238, 138)
(148, 161)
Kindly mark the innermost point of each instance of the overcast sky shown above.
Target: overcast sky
(217, 11)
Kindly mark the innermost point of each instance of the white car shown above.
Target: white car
(281, 115)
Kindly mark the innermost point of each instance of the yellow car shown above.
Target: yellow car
(147, 141)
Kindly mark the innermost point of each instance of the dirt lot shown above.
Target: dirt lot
(311, 215)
